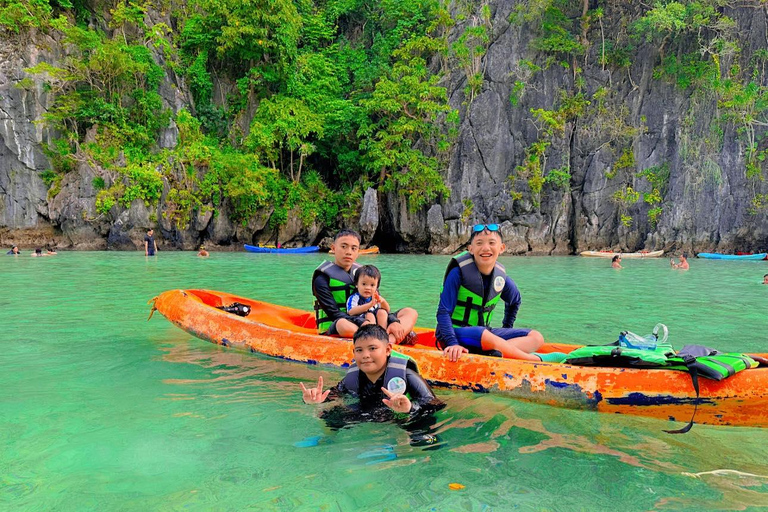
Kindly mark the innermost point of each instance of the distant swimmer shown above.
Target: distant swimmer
(38, 252)
(616, 261)
(50, 252)
(765, 279)
(203, 253)
(683, 265)
(14, 251)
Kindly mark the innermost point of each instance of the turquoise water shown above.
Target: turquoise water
(102, 410)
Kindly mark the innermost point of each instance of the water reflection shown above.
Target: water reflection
(487, 431)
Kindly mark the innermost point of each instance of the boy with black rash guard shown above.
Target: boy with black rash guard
(474, 282)
(334, 282)
(383, 382)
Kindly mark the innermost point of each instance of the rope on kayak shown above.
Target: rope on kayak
(154, 308)
(689, 362)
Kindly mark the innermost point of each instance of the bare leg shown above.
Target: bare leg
(369, 318)
(398, 331)
(345, 328)
(516, 348)
(382, 317)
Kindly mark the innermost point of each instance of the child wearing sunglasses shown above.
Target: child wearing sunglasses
(474, 283)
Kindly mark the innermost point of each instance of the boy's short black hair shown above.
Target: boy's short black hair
(371, 331)
(615, 258)
(347, 232)
(370, 271)
(685, 255)
(766, 275)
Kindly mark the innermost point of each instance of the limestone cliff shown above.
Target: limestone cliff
(628, 159)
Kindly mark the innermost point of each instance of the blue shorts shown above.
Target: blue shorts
(470, 336)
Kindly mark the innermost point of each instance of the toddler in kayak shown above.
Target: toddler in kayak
(384, 383)
(333, 282)
(366, 306)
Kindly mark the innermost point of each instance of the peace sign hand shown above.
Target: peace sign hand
(397, 402)
(314, 395)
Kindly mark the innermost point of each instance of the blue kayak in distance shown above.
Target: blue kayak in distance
(282, 250)
(716, 256)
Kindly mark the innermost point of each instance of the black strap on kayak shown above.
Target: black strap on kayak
(690, 363)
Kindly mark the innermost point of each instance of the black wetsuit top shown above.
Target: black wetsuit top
(370, 406)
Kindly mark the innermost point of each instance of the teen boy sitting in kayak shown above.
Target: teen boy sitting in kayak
(384, 383)
(474, 282)
(334, 282)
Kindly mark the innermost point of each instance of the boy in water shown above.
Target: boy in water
(366, 306)
(334, 282)
(385, 383)
(474, 282)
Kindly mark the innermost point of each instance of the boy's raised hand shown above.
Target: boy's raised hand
(398, 402)
(314, 395)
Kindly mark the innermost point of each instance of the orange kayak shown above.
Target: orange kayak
(374, 249)
(289, 333)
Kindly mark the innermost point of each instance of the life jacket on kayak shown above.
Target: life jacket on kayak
(396, 367)
(709, 363)
(342, 286)
(694, 359)
(473, 308)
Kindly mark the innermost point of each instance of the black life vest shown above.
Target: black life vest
(396, 367)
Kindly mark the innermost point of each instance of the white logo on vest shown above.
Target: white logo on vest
(396, 385)
(498, 283)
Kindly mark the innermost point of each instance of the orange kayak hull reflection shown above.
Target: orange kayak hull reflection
(290, 334)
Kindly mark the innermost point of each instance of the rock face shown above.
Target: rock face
(707, 202)
(22, 191)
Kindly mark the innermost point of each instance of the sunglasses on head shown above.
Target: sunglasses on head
(477, 228)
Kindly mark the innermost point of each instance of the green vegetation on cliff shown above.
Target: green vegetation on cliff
(295, 107)
(697, 49)
(288, 97)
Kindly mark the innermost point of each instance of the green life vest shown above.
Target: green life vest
(615, 356)
(472, 307)
(396, 367)
(342, 286)
(716, 365)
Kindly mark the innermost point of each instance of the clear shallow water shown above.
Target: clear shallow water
(101, 410)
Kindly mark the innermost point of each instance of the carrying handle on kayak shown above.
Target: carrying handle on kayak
(154, 308)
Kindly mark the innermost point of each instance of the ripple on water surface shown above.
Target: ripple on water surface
(102, 410)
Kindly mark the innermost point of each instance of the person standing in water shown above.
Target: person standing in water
(150, 246)
(616, 261)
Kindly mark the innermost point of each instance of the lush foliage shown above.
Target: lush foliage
(288, 97)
